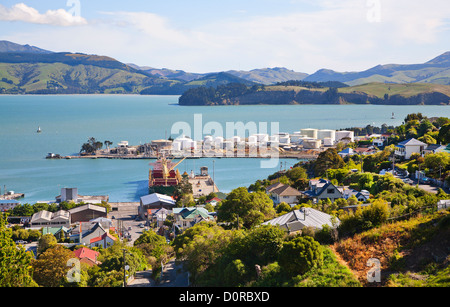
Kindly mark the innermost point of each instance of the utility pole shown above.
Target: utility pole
(124, 270)
(214, 181)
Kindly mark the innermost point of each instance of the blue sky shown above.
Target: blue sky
(209, 35)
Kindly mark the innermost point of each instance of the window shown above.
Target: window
(330, 191)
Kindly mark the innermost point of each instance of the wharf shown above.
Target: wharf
(298, 156)
(12, 196)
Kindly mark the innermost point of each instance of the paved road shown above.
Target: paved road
(173, 276)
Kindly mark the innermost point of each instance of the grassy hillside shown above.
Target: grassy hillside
(373, 93)
(51, 78)
(405, 90)
(411, 253)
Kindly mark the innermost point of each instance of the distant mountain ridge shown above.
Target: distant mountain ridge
(27, 69)
(7, 46)
(435, 71)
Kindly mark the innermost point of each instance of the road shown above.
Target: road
(173, 276)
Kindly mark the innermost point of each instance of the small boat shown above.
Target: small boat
(39, 130)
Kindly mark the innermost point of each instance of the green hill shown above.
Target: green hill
(76, 73)
(435, 71)
(372, 93)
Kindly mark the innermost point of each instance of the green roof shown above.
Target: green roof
(54, 230)
(190, 214)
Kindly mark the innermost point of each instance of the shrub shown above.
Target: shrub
(299, 255)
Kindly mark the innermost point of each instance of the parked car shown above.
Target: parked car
(425, 180)
(21, 242)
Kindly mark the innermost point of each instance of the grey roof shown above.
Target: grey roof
(155, 198)
(412, 141)
(88, 207)
(297, 219)
(320, 187)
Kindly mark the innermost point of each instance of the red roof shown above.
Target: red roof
(86, 253)
(215, 198)
(106, 234)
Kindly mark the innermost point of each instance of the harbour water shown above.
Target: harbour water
(68, 121)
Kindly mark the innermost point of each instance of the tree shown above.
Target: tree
(107, 144)
(300, 255)
(50, 269)
(154, 247)
(201, 245)
(444, 134)
(46, 241)
(437, 162)
(91, 146)
(250, 208)
(15, 262)
(328, 159)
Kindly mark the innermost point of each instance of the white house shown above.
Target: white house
(283, 193)
(188, 217)
(8, 204)
(406, 148)
(104, 241)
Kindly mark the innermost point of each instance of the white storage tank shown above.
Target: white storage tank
(285, 140)
(310, 132)
(208, 139)
(322, 134)
(295, 138)
(312, 144)
(252, 140)
(328, 142)
(228, 145)
(236, 139)
(274, 138)
(261, 137)
(176, 145)
(345, 134)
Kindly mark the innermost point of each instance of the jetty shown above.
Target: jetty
(305, 144)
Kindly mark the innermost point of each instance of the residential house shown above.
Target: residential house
(58, 232)
(8, 204)
(405, 149)
(296, 220)
(321, 189)
(214, 201)
(188, 217)
(159, 215)
(155, 201)
(346, 152)
(365, 151)
(104, 241)
(48, 219)
(361, 196)
(283, 193)
(87, 255)
(434, 148)
(85, 236)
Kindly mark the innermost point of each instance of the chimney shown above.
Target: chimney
(81, 231)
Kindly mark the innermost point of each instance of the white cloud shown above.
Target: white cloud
(25, 13)
(337, 36)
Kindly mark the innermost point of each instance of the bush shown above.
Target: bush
(300, 255)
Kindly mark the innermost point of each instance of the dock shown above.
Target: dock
(12, 196)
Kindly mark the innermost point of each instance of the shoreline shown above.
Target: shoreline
(132, 157)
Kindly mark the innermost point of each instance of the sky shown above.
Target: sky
(209, 36)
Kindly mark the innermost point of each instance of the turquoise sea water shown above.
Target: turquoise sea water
(68, 121)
